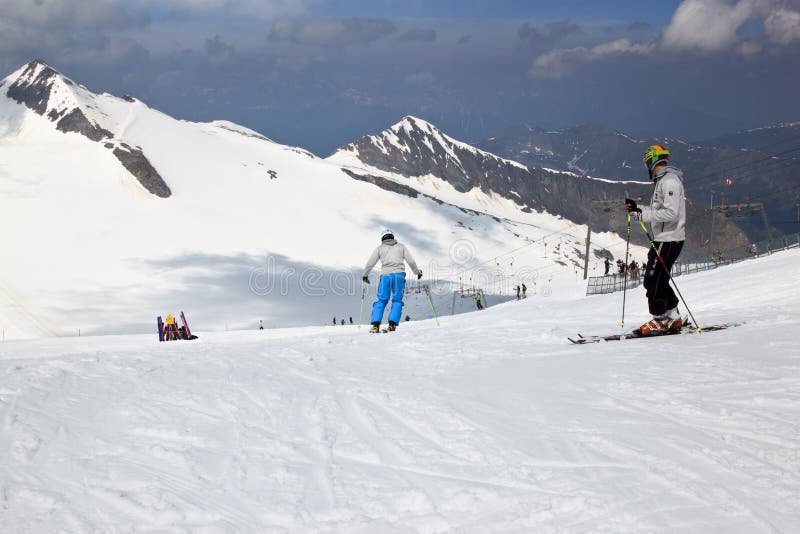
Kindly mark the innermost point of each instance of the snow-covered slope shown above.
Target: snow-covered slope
(245, 229)
(491, 423)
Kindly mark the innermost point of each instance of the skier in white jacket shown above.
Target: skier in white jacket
(667, 217)
(393, 257)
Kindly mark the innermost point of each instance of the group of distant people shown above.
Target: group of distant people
(718, 257)
(522, 290)
(633, 268)
(343, 322)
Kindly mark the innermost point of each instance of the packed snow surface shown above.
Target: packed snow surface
(492, 422)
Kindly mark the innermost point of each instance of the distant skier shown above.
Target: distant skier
(667, 217)
(334, 321)
(343, 322)
(524, 290)
(479, 300)
(408, 318)
(607, 263)
(518, 290)
(392, 283)
(620, 267)
(351, 319)
(261, 325)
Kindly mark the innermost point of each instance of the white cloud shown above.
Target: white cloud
(561, 62)
(783, 26)
(710, 25)
(706, 26)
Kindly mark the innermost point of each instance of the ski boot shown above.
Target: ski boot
(655, 326)
(376, 328)
(676, 321)
(677, 324)
(392, 326)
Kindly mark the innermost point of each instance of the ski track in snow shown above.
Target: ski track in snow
(491, 423)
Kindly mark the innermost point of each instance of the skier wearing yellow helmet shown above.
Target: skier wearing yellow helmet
(667, 217)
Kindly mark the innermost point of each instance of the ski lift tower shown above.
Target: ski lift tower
(740, 211)
(465, 293)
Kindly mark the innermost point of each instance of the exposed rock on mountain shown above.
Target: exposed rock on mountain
(73, 108)
(138, 165)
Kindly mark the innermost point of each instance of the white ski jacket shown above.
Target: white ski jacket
(667, 211)
(392, 255)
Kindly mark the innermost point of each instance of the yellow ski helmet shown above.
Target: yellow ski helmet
(654, 155)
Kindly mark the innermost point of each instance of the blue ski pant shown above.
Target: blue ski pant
(390, 285)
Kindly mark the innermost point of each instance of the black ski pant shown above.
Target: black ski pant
(660, 296)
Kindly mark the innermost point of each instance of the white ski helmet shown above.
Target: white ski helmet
(387, 234)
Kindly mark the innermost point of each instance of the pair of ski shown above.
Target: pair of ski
(686, 329)
(162, 329)
(381, 331)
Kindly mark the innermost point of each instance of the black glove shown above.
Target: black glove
(365, 279)
(630, 205)
(419, 275)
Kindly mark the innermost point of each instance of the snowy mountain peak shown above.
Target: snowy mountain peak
(33, 85)
(47, 92)
(74, 108)
(422, 131)
(415, 147)
(410, 123)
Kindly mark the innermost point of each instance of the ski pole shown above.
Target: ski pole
(430, 301)
(624, 274)
(361, 311)
(658, 255)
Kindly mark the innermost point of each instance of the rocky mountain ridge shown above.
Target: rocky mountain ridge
(753, 166)
(73, 108)
(415, 148)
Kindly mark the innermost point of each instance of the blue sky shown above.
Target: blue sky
(318, 74)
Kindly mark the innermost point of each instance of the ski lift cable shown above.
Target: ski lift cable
(542, 269)
(571, 226)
